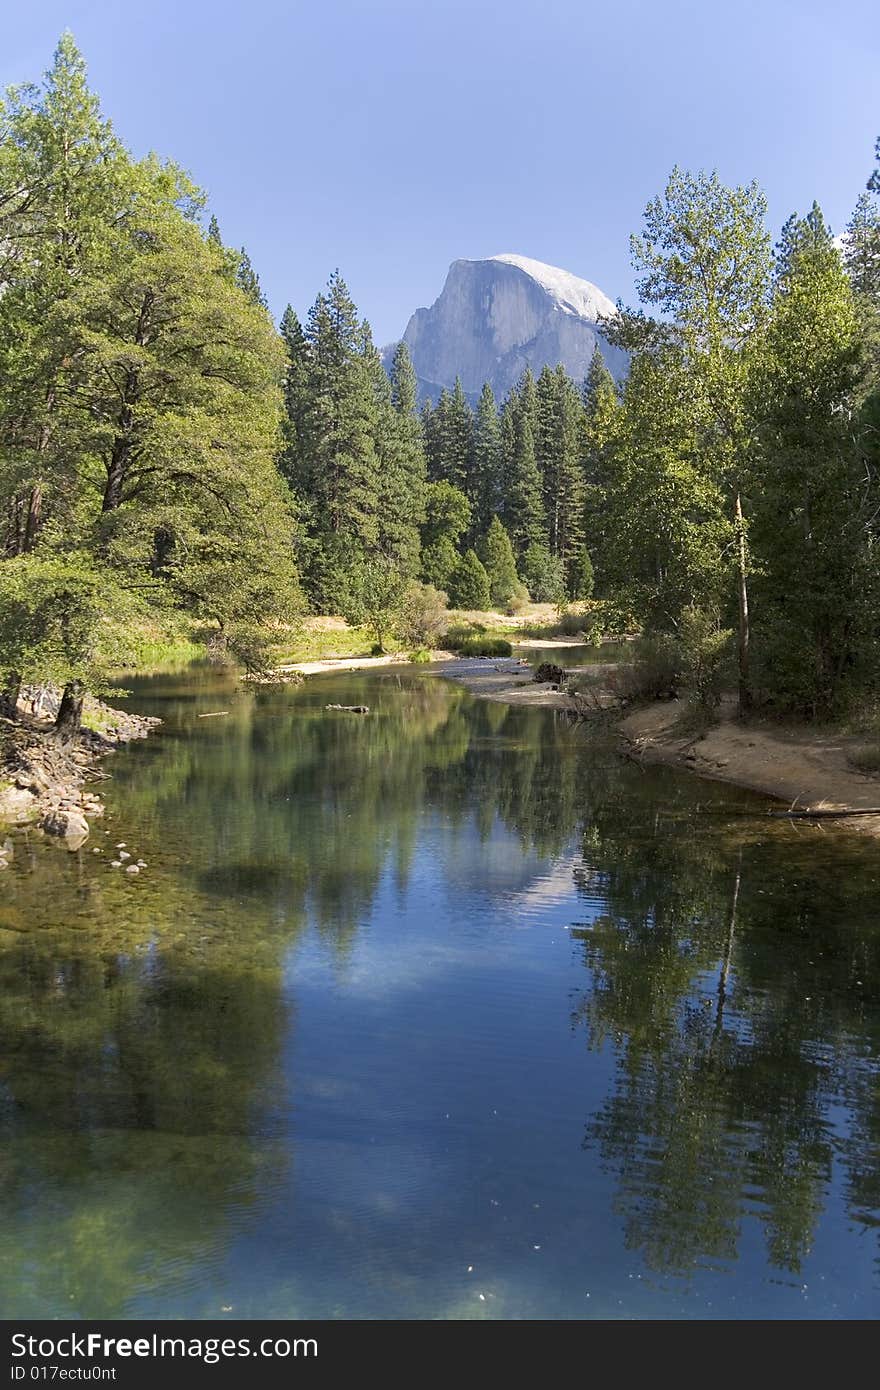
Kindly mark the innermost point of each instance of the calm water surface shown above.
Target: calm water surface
(441, 1012)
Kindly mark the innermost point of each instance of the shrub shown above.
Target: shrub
(420, 657)
(866, 759)
(653, 671)
(706, 657)
(421, 618)
(484, 646)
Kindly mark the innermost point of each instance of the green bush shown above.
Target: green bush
(484, 646)
(652, 671)
(420, 657)
(706, 657)
(421, 617)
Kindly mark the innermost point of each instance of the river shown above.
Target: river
(441, 1011)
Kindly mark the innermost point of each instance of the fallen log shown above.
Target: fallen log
(821, 813)
(351, 709)
(215, 714)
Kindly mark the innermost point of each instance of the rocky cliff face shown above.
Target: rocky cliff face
(496, 317)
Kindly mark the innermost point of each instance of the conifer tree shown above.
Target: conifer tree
(812, 500)
(401, 471)
(496, 554)
(602, 417)
(559, 451)
(339, 446)
(524, 507)
(247, 280)
(296, 404)
(469, 583)
(487, 485)
(449, 439)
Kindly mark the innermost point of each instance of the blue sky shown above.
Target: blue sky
(390, 137)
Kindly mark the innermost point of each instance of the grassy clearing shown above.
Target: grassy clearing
(325, 639)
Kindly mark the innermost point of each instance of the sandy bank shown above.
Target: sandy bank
(804, 768)
(351, 663)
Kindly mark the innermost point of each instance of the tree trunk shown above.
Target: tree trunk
(9, 695)
(69, 717)
(34, 518)
(745, 694)
(116, 471)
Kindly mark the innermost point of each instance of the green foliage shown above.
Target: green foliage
(706, 651)
(420, 657)
(544, 574)
(583, 578)
(815, 502)
(447, 517)
(469, 583)
(64, 619)
(375, 594)
(496, 553)
(650, 670)
(139, 392)
(420, 617)
(483, 646)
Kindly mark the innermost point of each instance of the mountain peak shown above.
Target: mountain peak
(497, 316)
(572, 294)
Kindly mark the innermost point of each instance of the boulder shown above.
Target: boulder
(71, 826)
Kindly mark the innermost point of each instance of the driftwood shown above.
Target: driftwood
(352, 709)
(820, 813)
(215, 714)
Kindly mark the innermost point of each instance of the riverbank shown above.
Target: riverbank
(801, 767)
(49, 784)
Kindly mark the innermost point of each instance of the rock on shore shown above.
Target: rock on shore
(42, 781)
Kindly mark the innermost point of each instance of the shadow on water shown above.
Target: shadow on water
(445, 986)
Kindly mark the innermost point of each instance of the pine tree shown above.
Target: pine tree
(449, 439)
(583, 579)
(496, 554)
(404, 383)
(559, 453)
(469, 584)
(813, 503)
(247, 280)
(524, 508)
(297, 399)
(340, 445)
(487, 482)
(401, 471)
(214, 231)
(601, 421)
